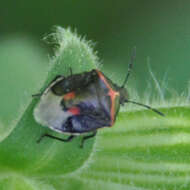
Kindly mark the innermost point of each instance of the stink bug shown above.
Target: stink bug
(82, 103)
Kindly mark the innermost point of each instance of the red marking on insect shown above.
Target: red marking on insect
(69, 96)
(74, 110)
(112, 95)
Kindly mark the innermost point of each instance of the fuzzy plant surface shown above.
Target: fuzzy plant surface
(142, 151)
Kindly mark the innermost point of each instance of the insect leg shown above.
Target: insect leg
(57, 138)
(56, 77)
(37, 95)
(41, 93)
(87, 137)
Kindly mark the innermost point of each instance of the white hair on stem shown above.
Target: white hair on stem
(154, 79)
(165, 97)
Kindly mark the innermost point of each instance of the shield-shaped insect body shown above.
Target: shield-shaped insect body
(82, 103)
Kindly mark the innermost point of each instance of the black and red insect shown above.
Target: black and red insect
(81, 104)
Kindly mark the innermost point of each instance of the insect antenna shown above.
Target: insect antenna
(146, 106)
(133, 56)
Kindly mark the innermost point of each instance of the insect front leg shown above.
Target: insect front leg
(41, 93)
(37, 95)
(57, 138)
(87, 137)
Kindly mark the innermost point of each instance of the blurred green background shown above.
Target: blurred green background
(160, 30)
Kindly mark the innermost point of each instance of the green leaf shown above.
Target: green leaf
(19, 152)
(144, 151)
(22, 72)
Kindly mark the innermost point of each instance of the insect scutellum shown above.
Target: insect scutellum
(123, 91)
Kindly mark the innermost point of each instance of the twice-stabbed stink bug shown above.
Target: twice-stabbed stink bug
(81, 104)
